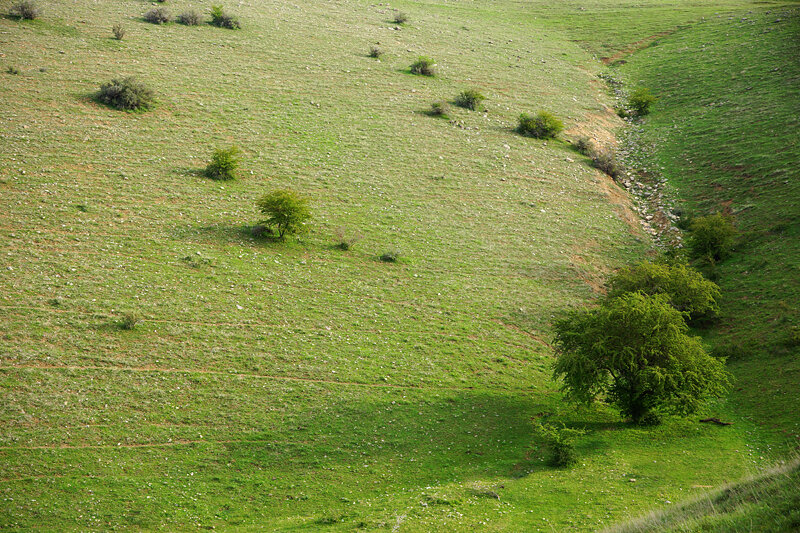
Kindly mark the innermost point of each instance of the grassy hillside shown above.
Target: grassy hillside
(285, 386)
(725, 133)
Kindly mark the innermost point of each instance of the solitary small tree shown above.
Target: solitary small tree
(686, 289)
(286, 210)
(634, 352)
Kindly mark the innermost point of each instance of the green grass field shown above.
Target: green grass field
(294, 386)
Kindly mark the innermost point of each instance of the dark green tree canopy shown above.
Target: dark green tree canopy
(286, 210)
(688, 291)
(634, 352)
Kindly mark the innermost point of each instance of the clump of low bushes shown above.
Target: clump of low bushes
(400, 18)
(424, 66)
(223, 164)
(470, 99)
(375, 52)
(221, 19)
(542, 126)
(12, 70)
(190, 17)
(158, 15)
(127, 94)
(25, 9)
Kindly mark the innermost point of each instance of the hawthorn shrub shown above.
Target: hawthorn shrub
(439, 109)
(711, 237)
(158, 15)
(286, 210)
(423, 66)
(25, 9)
(118, 31)
(606, 161)
(583, 145)
(390, 256)
(561, 442)
(221, 19)
(223, 164)
(640, 100)
(346, 239)
(470, 99)
(400, 18)
(128, 321)
(128, 94)
(375, 52)
(543, 126)
(190, 17)
(686, 288)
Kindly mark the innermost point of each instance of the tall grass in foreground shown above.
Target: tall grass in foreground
(770, 499)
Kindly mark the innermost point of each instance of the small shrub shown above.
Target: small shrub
(470, 99)
(439, 109)
(543, 126)
(286, 210)
(400, 18)
(221, 19)
(118, 31)
(711, 237)
(640, 101)
(223, 164)
(25, 9)
(606, 161)
(375, 52)
(346, 239)
(390, 257)
(158, 15)
(423, 66)
(189, 18)
(583, 145)
(792, 337)
(561, 442)
(128, 94)
(128, 321)
(12, 70)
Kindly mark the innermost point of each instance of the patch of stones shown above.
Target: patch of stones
(652, 197)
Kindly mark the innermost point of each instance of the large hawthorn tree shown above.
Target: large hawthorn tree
(634, 352)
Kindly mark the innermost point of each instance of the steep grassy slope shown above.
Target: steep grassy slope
(291, 385)
(725, 131)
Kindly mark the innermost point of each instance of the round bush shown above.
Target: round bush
(543, 126)
(640, 101)
(25, 9)
(423, 66)
(221, 19)
(286, 210)
(128, 94)
(158, 15)
(470, 99)
(189, 18)
(223, 164)
(711, 237)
